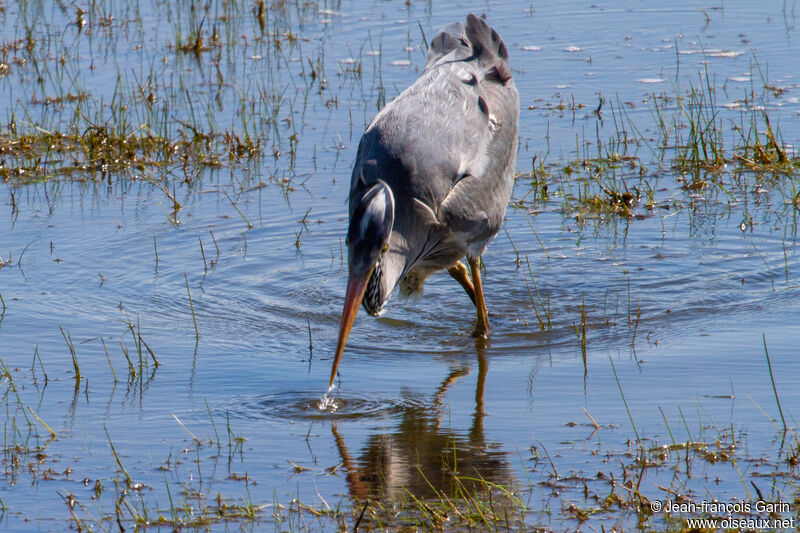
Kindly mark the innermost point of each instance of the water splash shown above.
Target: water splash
(327, 402)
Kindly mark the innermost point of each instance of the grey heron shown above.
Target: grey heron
(433, 176)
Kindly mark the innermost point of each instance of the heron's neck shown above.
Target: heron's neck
(385, 277)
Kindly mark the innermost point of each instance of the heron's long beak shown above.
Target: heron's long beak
(352, 301)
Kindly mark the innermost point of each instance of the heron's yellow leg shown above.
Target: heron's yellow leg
(482, 328)
(459, 273)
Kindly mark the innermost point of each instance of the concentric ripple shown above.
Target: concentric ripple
(311, 405)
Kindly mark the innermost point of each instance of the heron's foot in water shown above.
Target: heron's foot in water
(481, 336)
(482, 328)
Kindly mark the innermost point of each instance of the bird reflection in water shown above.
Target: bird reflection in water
(422, 457)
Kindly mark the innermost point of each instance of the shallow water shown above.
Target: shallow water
(680, 300)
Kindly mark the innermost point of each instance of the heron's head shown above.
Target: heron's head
(370, 227)
(371, 220)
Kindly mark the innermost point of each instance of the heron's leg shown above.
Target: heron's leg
(482, 328)
(459, 273)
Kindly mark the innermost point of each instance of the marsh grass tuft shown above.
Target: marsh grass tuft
(71, 347)
(772, 380)
(191, 307)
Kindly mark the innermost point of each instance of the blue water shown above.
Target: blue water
(680, 300)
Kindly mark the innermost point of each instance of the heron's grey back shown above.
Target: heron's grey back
(448, 142)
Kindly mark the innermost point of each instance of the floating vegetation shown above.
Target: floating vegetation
(98, 152)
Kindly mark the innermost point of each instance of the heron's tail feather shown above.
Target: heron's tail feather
(488, 47)
(477, 40)
(450, 44)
